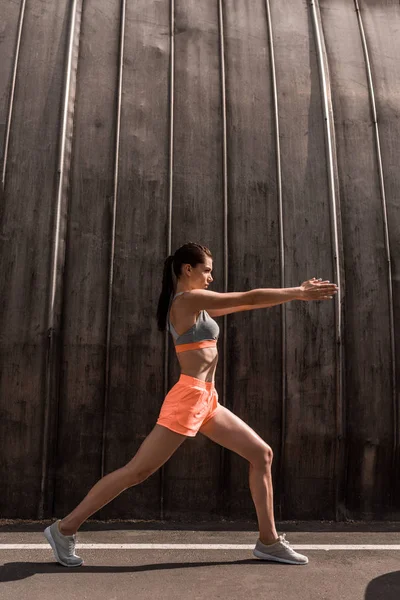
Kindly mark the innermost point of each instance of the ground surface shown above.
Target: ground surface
(339, 567)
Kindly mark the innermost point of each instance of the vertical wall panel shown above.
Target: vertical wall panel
(59, 232)
(225, 192)
(10, 25)
(136, 367)
(381, 23)
(311, 393)
(367, 324)
(192, 474)
(25, 249)
(254, 345)
(168, 343)
(337, 254)
(87, 256)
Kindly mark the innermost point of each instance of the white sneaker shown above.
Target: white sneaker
(279, 552)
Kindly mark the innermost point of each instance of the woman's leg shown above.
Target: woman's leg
(230, 431)
(156, 449)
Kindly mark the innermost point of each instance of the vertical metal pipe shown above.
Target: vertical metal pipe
(170, 200)
(59, 232)
(280, 469)
(113, 228)
(396, 407)
(12, 93)
(338, 267)
(225, 230)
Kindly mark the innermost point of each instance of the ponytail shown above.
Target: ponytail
(166, 293)
(191, 253)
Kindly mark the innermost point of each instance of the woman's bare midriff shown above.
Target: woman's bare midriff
(199, 363)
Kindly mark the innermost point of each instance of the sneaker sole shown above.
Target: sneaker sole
(259, 554)
(49, 537)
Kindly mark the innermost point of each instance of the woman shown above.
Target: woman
(185, 305)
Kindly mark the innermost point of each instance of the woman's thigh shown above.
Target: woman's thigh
(228, 430)
(155, 450)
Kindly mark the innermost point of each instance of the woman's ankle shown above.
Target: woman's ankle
(65, 529)
(267, 540)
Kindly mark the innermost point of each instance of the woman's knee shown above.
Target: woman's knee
(263, 458)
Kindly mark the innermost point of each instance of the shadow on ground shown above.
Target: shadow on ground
(385, 587)
(16, 571)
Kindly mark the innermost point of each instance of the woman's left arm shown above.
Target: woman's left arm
(235, 309)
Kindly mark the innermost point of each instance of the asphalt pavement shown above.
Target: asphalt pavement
(152, 560)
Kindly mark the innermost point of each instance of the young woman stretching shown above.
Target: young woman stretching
(186, 308)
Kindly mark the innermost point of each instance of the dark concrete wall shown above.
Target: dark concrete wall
(119, 142)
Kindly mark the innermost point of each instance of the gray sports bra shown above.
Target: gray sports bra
(205, 328)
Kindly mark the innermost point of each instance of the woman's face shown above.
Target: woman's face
(200, 276)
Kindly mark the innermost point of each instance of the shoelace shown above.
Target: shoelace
(71, 546)
(284, 540)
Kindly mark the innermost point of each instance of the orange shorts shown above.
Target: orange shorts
(189, 404)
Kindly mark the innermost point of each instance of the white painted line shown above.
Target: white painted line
(202, 546)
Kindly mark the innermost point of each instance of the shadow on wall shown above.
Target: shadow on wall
(385, 587)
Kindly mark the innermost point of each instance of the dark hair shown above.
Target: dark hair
(189, 253)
